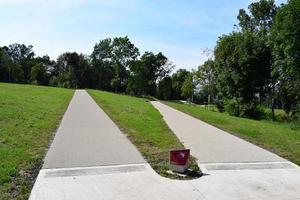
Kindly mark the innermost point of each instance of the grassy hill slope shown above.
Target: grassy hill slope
(28, 117)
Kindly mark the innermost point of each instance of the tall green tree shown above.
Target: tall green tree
(22, 55)
(178, 79)
(206, 78)
(147, 72)
(9, 70)
(111, 59)
(242, 66)
(285, 40)
(123, 54)
(260, 17)
(188, 88)
(164, 89)
(41, 70)
(244, 58)
(102, 64)
(72, 70)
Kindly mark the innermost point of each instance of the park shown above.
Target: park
(105, 124)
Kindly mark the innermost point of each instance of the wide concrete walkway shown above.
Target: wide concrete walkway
(90, 159)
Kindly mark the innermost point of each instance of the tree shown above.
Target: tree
(38, 74)
(242, 67)
(146, 72)
(188, 88)
(260, 18)
(41, 70)
(206, 78)
(123, 53)
(164, 90)
(22, 55)
(9, 70)
(285, 40)
(178, 79)
(111, 59)
(72, 71)
(101, 60)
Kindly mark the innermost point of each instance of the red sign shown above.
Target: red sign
(179, 157)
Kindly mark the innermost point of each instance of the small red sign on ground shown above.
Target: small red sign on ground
(179, 160)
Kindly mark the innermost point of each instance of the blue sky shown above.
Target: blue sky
(182, 30)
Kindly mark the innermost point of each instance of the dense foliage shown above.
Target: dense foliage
(114, 65)
(258, 64)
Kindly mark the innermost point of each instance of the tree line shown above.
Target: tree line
(256, 65)
(114, 65)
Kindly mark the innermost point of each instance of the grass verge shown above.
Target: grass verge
(275, 136)
(28, 117)
(144, 126)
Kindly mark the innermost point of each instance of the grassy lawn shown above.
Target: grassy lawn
(144, 126)
(28, 117)
(277, 137)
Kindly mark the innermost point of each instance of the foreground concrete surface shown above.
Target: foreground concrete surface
(141, 182)
(72, 176)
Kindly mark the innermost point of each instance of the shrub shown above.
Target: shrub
(220, 106)
(232, 107)
(238, 108)
(253, 111)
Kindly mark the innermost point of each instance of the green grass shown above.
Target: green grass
(144, 126)
(28, 117)
(277, 137)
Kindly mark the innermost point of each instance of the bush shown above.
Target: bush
(296, 118)
(220, 106)
(238, 108)
(253, 111)
(232, 107)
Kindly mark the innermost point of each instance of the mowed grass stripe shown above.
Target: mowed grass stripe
(29, 116)
(278, 137)
(144, 126)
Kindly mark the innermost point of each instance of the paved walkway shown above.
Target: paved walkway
(88, 137)
(90, 159)
(237, 169)
(210, 144)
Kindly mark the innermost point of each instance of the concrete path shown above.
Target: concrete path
(88, 137)
(90, 159)
(237, 169)
(210, 144)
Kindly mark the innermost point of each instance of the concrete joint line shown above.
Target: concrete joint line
(89, 171)
(250, 165)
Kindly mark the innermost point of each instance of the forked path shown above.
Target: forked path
(91, 159)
